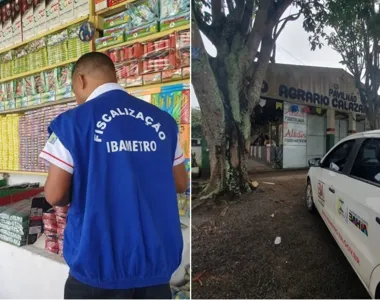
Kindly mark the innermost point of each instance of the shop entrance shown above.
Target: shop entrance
(267, 133)
(316, 136)
(341, 130)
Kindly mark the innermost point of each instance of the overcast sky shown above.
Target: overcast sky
(292, 48)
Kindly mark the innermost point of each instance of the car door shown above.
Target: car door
(357, 214)
(330, 171)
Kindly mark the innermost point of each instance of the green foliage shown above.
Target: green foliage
(196, 123)
(351, 27)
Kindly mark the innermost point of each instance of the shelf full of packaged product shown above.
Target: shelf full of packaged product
(39, 70)
(151, 37)
(46, 33)
(132, 90)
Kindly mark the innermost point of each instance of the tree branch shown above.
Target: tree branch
(292, 17)
(208, 30)
(230, 6)
(246, 17)
(263, 22)
(216, 7)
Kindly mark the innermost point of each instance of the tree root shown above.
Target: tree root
(208, 193)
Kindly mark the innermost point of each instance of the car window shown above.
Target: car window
(367, 162)
(337, 159)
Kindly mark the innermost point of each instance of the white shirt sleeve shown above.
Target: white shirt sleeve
(179, 157)
(56, 154)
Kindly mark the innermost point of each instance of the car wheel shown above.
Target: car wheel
(309, 198)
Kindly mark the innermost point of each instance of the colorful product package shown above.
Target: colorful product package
(171, 8)
(21, 61)
(10, 89)
(185, 107)
(107, 41)
(6, 61)
(30, 86)
(114, 30)
(40, 82)
(52, 14)
(66, 11)
(116, 20)
(143, 12)
(16, 21)
(3, 92)
(6, 13)
(38, 56)
(100, 4)
(57, 47)
(184, 130)
(81, 8)
(21, 102)
(27, 19)
(76, 48)
(141, 31)
(39, 7)
(51, 80)
(19, 85)
(174, 22)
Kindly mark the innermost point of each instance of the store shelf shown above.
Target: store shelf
(151, 37)
(69, 100)
(136, 89)
(113, 10)
(35, 107)
(56, 29)
(26, 74)
(23, 172)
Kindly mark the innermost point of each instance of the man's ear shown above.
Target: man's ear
(82, 81)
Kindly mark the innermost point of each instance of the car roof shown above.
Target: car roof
(365, 134)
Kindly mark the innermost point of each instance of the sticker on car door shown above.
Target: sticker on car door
(321, 193)
(342, 209)
(359, 222)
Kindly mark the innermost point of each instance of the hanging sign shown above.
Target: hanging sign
(86, 32)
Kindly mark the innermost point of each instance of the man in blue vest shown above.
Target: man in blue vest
(118, 163)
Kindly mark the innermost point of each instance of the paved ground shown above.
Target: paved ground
(234, 245)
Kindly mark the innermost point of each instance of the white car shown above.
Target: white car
(344, 187)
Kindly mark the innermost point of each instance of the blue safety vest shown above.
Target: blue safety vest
(123, 228)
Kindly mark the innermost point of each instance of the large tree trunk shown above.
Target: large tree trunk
(224, 136)
(228, 88)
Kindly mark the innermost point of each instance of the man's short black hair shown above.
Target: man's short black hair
(93, 61)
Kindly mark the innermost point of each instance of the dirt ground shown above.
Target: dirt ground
(234, 245)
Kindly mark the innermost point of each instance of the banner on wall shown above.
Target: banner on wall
(298, 117)
(295, 125)
(294, 134)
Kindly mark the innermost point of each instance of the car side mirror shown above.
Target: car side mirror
(315, 162)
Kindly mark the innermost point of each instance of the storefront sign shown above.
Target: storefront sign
(335, 99)
(295, 117)
(294, 134)
(312, 86)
